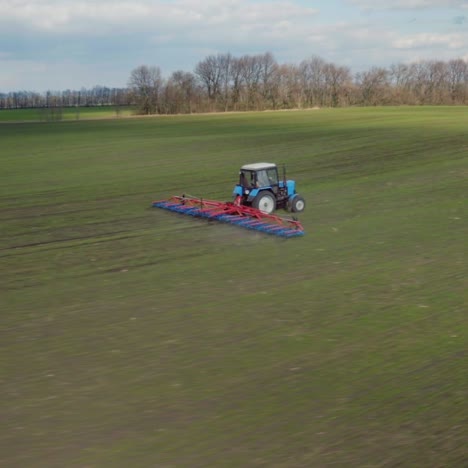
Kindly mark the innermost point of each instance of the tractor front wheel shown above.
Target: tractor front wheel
(297, 204)
(265, 202)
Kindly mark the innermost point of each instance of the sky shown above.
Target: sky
(70, 44)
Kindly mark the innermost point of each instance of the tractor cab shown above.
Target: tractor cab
(260, 187)
(260, 175)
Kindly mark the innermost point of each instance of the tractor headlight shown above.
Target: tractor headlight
(246, 191)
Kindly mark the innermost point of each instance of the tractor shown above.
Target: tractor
(260, 187)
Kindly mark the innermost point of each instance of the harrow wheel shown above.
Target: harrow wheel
(265, 202)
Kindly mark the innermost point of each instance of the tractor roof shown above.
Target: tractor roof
(258, 166)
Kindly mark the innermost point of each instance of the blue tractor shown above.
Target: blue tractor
(260, 187)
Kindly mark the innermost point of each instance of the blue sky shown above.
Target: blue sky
(68, 44)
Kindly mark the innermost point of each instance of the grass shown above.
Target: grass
(66, 113)
(134, 336)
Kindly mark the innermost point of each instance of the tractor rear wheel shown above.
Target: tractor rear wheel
(297, 204)
(265, 202)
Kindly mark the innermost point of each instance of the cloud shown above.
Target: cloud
(79, 40)
(92, 17)
(431, 41)
(408, 4)
(150, 30)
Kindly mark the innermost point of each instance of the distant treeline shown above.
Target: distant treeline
(97, 96)
(258, 82)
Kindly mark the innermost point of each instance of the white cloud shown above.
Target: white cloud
(90, 16)
(408, 4)
(431, 41)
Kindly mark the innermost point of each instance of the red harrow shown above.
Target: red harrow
(232, 213)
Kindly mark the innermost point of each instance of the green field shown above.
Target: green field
(132, 336)
(66, 113)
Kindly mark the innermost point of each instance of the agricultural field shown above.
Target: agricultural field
(65, 113)
(132, 336)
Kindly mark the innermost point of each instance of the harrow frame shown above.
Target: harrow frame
(233, 213)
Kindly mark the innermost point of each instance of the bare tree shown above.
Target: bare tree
(258, 74)
(337, 84)
(400, 77)
(458, 81)
(374, 86)
(181, 90)
(146, 83)
(289, 89)
(236, 82)
(268, 69)
(209, 73)
(312, 73)
(437, 81)
(225, 63)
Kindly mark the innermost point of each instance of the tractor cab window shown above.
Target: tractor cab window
(262, 179)
(247, 179)
(267, 177)
(257, 179)
(273, 176)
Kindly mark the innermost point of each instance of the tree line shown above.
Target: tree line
(223, 82)
(97, 96)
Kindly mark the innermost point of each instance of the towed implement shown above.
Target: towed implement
(256, 196)
(229, 212)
